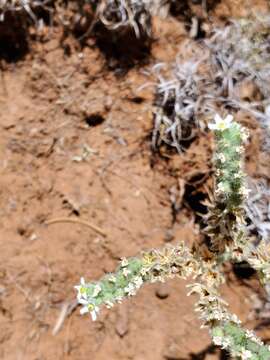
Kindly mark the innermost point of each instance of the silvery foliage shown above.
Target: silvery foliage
(121, 14)
(241, 52)
(198, 86)
(19, 5)
(257, 208)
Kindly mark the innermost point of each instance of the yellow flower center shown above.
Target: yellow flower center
(91, 307)
(222, 125)
(82, 290)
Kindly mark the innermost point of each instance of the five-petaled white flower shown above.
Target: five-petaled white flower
(93, 309)
(221, 124)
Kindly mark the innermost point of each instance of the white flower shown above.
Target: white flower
(220, 188)
(144, 271)
(119, 299)
(97, 290)
(252, 336)
(126, 272)
(82, 284)
(138, 281)
(246, 354)
(93, 309)
(238, 175)
(221, 157)
(124, 262)
(244, 134)
(109, 304)
(216, 315)
(112, 279)
(226, 343)
(94, 313)
(221, 124)
(130, 290)
(81, 290)
(239, 149)
(85, 309)
(256, 263)
(217, 340)
(235, 319)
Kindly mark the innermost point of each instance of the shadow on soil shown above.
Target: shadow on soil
(15, 32)
(123, 50)
(120, 47)
(210, 349)
(13, 38)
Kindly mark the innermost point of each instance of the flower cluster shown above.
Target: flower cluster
(228, 160)
(112, 288)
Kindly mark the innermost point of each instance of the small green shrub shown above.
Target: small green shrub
(227, 230)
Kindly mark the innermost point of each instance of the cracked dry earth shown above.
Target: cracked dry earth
(75, 143)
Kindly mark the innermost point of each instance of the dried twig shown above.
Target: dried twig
(77, 221)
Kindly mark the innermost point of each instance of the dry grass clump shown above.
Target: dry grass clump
(116, 15)
(121, 28)
(241, 53)
(183, 96)
(231, 57)
(244, 45)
